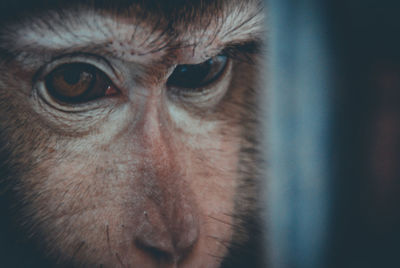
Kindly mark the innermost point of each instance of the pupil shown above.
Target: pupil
(72, 76)
(192, 75)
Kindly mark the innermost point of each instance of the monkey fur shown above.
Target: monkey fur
(151, 176)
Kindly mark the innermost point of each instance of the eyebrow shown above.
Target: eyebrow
(94, 29)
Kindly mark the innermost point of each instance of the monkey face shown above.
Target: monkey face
(133, 129)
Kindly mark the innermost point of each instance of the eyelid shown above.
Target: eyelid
(243, 51)
(98, 62)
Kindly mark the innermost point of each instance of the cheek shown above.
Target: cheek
(91, 206)
(215, 183)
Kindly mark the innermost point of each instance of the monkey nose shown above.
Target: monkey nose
(167, 238)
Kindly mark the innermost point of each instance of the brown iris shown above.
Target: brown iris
(77, 83)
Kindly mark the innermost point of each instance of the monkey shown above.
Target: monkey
(129, 133)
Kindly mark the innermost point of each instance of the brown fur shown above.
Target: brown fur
(139, 186)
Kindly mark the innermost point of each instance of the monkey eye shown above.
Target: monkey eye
(78, 82)
(193, 76)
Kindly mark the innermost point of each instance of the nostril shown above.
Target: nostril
(163, 254)
(154, 251)
(167, 231)
(167, 239)
(159, 244)
(154, 238)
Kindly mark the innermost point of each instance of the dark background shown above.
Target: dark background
(366, 215)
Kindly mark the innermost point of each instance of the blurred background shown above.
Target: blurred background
(333, 137)
(367, 112)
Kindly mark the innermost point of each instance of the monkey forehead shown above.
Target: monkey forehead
(135, 36)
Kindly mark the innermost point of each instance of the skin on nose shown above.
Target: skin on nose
(169, 231)
(169, 225)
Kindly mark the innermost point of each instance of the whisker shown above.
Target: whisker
(80, 246)
(119, 260)
(108, 239)
(219, 220)
(215, 256)
(236, 226)
(219, 240)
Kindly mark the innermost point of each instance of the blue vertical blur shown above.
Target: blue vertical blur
(298, 116)
(333, 133)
